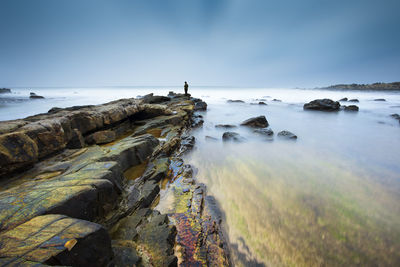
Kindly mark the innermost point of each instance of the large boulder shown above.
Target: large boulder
(56, 240)
(323, 105)
(256, 122)
(155, 99)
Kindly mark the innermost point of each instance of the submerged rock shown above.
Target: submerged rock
(225, 126)
(235, 101)
(354, 100)
(210, 138)
(232, 136)
(256, 122)
(344, 99)
(262, 103)
(351, 108)
(287, 135)
(276, 100)
(35, 96)
(380, 99)
(396, 117)
(322, 105)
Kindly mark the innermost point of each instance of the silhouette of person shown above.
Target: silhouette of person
(186, 88)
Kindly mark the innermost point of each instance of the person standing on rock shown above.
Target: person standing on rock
(186, 88)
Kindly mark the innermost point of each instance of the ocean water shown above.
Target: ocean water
(332, 197)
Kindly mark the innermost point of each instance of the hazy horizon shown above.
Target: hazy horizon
(208, 43)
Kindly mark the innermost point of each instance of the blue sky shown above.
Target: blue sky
(256, 43)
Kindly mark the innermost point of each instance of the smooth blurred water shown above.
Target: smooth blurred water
(332, 197)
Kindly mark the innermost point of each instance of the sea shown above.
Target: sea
(329, 198)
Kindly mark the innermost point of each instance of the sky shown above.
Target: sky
(254, 43)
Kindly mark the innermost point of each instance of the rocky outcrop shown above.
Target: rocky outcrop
(66, 206)
(373, 86)
(256, 122)
(322, 105)
(200, 105)
(5, 90)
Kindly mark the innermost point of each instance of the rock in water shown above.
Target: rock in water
(287, 135)
(235, 101)
(380, 99)
(351, 108)
(256, 122)
(344, 99)
(264, 131)
(323, 105)
(354, 100)
(232, 136)
(5, 91)
(35, 96)
(396, 117)
(262, 103)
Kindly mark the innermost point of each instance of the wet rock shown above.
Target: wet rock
(57, 240)
(354, 100)
(5, 90)
(276, 100)
(323, 105)
(225, 126)
(187, 143)
(235, 101)
(101, 137)
(157, 169)
(197, 120)
(264, 131)
(287, 135)
(344, 99)
(380, 99)
(232, 136)
(125, 229)
(256, 122)
(262, 103)
(125, 253)
(351, 108)
(201, 105)
(35, 96)
(148, 193)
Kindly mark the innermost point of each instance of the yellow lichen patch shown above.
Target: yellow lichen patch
(156, 132)
(48, 175)
(70, 244)
(136, 171)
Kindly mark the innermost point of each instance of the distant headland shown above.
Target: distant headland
(373, 86)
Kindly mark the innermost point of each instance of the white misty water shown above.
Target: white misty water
(332, 197)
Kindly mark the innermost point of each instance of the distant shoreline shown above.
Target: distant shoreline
(373, 86)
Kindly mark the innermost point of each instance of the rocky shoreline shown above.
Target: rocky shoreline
(81, 186)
